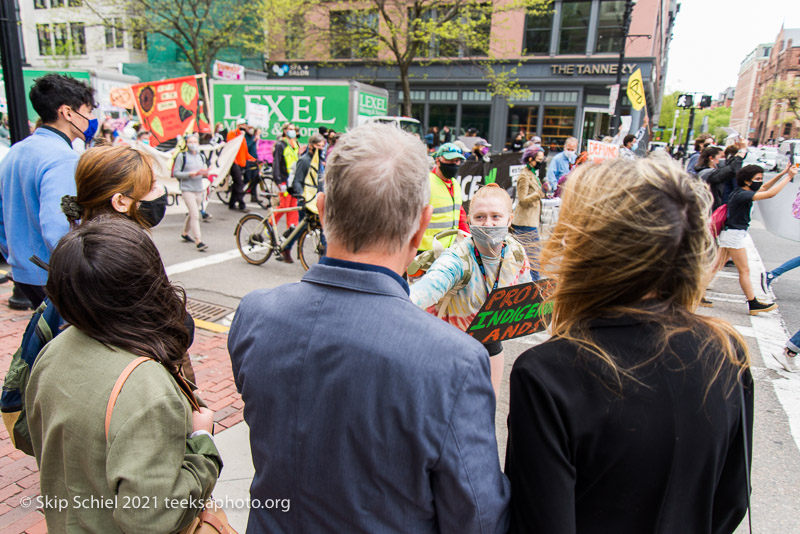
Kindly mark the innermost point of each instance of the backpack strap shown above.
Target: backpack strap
(118, 387)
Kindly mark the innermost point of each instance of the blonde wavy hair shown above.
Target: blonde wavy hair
(632, 231)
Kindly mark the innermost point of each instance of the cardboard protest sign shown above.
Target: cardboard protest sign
(511, 312)
(599, 152)
(167, 108)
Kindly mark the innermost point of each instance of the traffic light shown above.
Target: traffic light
(705, 101)
(685, 101)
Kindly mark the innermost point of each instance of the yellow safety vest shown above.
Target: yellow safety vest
(446, 211)
(290, 156)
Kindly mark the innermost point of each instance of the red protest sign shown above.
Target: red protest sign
(512, 311)
(168, 107)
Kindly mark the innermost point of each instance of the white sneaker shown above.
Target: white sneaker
(788, 361)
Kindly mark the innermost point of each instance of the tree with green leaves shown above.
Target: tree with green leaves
(783, 92)
(407, 32)
(200, 29)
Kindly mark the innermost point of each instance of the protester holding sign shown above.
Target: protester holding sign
(464, 275)
(632, 381)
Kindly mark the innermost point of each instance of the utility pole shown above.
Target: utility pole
(674, 124)
(689, 128)
(626, 26)
(12, 72)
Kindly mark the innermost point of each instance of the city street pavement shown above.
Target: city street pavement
(221, 277)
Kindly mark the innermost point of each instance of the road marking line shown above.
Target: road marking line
(203, 262)
(771, 335)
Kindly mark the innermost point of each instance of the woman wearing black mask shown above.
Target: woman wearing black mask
(116, 181)
(527, 216)
(119, 181)
(733, 238)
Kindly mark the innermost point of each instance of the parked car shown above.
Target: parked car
(788, 152)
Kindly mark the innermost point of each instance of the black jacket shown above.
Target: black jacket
(721, 180)
(665, 456)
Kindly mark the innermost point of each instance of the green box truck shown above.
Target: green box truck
(267, 104)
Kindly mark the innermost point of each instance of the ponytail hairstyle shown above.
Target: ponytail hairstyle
(106, 279)
(103, 172)
(706, 156)
(643, 249)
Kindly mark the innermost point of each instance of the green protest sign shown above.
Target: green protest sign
(511, 312)
(269, 105)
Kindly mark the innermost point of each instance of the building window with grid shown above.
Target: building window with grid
(77, 35)
(474, 42)
(574, 27)
(538, 29)
(40, 4)
(609, 27)
(115, 36)
(344, 45)
(45, 43)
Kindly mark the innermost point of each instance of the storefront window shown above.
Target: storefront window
(574, 27)
(559, 123)
(609, 27)
(475, 117)
(441, 115)
(522, 119)
(537, 34)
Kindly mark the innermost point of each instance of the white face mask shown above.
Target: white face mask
(291, 134)
(193, 147)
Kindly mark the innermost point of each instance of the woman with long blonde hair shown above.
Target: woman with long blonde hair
(631, 417)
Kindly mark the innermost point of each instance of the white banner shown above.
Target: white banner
(228, 71)
(258, 115)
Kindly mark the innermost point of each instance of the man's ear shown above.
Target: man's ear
(424, 219)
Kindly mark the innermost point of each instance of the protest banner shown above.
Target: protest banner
(168, 108)
(257, 115)
(512, 311)
(599, 152)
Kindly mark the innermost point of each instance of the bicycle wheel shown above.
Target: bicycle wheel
(271, 190)
(225, 196)
(255, 239)
(310, 248)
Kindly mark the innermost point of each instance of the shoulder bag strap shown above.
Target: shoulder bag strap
(746, 461)
(118, 387)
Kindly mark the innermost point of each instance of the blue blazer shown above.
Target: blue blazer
(368, 413)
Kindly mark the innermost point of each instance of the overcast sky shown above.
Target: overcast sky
(712, 37)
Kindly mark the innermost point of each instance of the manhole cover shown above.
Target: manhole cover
(205, 311)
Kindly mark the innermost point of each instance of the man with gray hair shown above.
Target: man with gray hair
(367, 413)
(560, 165)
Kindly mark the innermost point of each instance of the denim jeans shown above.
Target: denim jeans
(794, 263)
(794, 342)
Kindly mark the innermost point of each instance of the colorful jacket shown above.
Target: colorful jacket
(449, 269)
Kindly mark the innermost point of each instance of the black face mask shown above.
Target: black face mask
(448, 170)
(152, 211)
(755, 186)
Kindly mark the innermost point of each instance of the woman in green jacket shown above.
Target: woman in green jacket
(151, 469)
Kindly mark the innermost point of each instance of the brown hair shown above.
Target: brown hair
(615, 247)
(102, 173)
(106, 279)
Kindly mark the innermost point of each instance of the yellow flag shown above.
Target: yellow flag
(636, 90)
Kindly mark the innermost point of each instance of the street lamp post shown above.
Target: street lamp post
(626, 25)
(12, 72)
(674, 124)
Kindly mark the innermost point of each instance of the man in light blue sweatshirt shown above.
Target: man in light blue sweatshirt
(37, 172)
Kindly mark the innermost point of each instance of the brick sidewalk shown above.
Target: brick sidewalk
(19, 476)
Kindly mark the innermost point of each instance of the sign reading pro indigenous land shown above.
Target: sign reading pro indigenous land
(511, 312)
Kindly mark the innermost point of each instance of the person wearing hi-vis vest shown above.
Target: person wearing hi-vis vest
(448, 213)
(284, 158)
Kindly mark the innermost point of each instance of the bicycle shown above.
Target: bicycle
(257, 239)
(267, 186)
